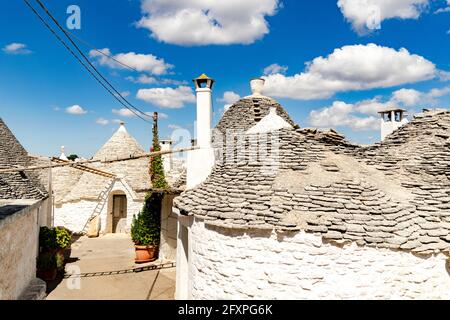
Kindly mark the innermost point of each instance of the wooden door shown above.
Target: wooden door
(119, 213)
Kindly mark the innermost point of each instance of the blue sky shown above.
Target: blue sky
(362, 66)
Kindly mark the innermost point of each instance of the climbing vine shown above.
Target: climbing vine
(156, 164)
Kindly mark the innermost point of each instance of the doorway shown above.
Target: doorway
(119, 213)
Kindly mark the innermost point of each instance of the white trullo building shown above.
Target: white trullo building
(112, 191)
(303, 214)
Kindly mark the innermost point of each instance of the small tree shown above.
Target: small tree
(73, 157)
(156, 164)
(146, 226)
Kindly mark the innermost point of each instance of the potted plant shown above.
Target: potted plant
(63, 239)
(55, 241)
(146, 229)
(47, 266)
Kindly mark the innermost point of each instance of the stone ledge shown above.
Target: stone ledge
(36, 290)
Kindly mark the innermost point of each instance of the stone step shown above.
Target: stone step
(36, 290)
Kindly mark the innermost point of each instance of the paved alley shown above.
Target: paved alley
(108, 272)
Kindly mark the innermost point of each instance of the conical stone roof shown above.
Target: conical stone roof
(121, 145)
(16, 185)
(392, 195)
(248, 111)
(134, 172)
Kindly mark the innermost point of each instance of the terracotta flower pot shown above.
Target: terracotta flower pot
(47, 275)
(146, 253)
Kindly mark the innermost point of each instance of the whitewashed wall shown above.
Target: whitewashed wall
(134, 206)
(227, 264)
(74, 215)
(168, 244)
(19, 238)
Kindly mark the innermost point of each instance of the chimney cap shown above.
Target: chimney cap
(203, 81)
(122, 127)
(257, 86)
(203, 76)
(392, 109)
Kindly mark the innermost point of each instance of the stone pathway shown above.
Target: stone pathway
(106, 255)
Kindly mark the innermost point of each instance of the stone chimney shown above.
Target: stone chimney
(203, 89)
(391, 120)
(200, 162)
(63, 154)
(166, 145)
(122, 127)
(257, 86)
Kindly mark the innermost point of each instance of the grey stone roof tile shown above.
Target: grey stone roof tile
(17, 185)
(393, 195)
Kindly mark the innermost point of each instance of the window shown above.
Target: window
(386, 117)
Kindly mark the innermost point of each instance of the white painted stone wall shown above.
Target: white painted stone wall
(134, 206)
(168, 243)
(19, 238)
(199, 166)
(74, 215)
(387, 127)
(227, 264)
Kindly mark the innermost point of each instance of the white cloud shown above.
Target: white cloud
(124, 112)
(174, 126)
(408, 97)
(123, 94)
(436, 93)
(173, 82)
(444, 9)
(351, 115)
(161, 115)
(76, 110)
(102, 121)
(16, 49)
(140, 62)
(444, 75)
(229, 97)
(339, 114)
(367, 15)
(143, 79)
(167, 97)
(373, 106)
(194, 22)
(356, 67)
(116, 121)
(412, 98)
(274, 68)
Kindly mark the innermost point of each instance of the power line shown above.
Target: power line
(78, 59)
(101, 52)
(84, 56)
(83, 64)
(104, 161)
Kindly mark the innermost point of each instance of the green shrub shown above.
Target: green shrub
(63, 237)
(47, 238)
(54, 238)
(146, 226)
(73, 157)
